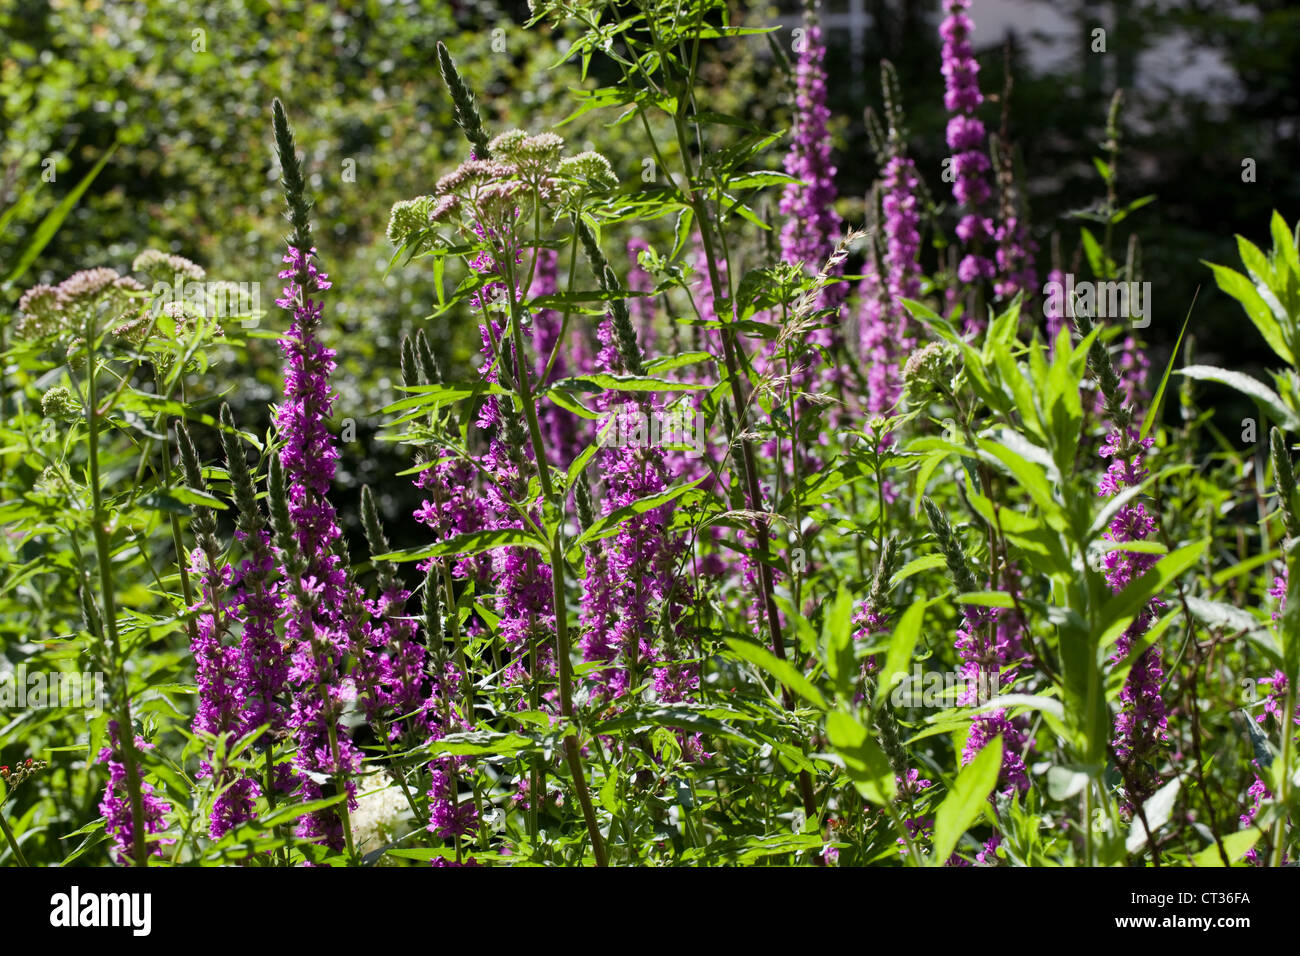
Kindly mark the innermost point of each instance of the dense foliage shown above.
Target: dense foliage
(750, 536)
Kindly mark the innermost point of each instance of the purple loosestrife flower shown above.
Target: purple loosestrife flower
(309, 454)
(453, 507)
(116, 805)
(448, 816)
(400, 665)
(1015, 258)
(393, 651)
(680, 467)
(258, 605)
(221, 693)
(902, 227)
(1055, 309)
(1275, 701)
(492, 192)
(875, 342)
(317, 635)
(910, 786)
(872, 614)
(966, 138)
(1141, 724)
(885, 326)
(1016, 250)
(634, 572)
(1258, 792)
(1273, 707)
(1134, 369)
(215, 664)
(1278, 593)
(520, 578)
(868, 620)
(812, 226)
(989, 647)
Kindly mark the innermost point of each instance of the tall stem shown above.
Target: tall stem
(565, 666)
(13, 843)
(1288, 756)
(126, 732)
(753, 491)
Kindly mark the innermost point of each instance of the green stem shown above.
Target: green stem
(126, 732)
(753, 491)
(565, 665)
(13, 843)
(342, 785)
(1288, 755)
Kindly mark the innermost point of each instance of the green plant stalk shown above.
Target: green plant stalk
(126, 731)
(1087, 822)
(752, 489)
(13, 843)
(268, 788)
(467, 685)
(562, 649)
(343, 806)
(1288, 756)
(534, 701)
(913, 859)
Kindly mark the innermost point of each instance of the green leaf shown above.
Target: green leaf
(841, 662)
(435, 396)
(864, 761)
(578, 464)
(1234, 844)
(570, 404)
(929, 562)
(671, 362)
(986, 599)
(966, 801)
(1064, 782)
(1158, 808)
(604, 382)
(471, 542)
(1247, 386)
(1284, 245)
(1244, 291)
(1097, 261)
(192, 496)
(1153, 410)
(901, 647)
(1027, 475)
(1131, 208)
(50, 224)
(608, 524)
(1127, 602)
(1256, 263)
(783, 671)
(484, 743)
(609, 792)
(1218, 614)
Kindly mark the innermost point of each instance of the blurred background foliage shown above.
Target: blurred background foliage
(184, 89)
